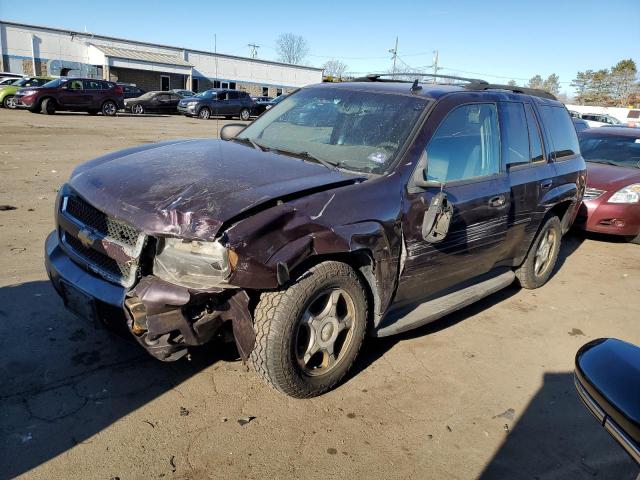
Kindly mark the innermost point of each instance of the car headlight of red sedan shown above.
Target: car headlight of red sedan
(628, 194)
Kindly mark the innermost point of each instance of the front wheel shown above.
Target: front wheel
(543, 255)
(245, 114)
(10, 102)
(308, 336)
(137, 109)
(49, 106)
(109, 108)
(204, 113)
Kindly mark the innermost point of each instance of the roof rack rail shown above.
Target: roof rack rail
(377, 77)
(494, 86)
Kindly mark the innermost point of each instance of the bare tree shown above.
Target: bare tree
(292, 48)
(335, 68)
(512, 83)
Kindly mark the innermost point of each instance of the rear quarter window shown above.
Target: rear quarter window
(564, 140)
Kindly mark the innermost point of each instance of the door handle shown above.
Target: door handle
(498, 201)
(546, 184)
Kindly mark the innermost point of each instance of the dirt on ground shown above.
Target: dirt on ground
(486, 392)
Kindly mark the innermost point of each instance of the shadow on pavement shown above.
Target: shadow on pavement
(557, 438)
(63, 380)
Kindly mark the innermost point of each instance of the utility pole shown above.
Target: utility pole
(254, 50)
(435, 65)
(394, 51)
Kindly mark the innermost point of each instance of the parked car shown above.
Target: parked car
(580, 124)
(611, 201)
(416, 201)
(217, 102)
(131, 91)
(159, 102)
(600, 119)
(275, 101)
(72, 94)
(11, 75)
(607, 378)
(8, 92)
(7, 80)
(574, 114)
(260, 104)
(183, 93)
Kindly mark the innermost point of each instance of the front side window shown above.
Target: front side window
(355, 130)
(563, 134)
(465, 145)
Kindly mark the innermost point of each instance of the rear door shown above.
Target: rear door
(531, 174)
(464, 154)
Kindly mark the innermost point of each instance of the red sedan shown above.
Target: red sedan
(611, 202)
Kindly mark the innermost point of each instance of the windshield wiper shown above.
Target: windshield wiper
(309, 156)
(248, 141)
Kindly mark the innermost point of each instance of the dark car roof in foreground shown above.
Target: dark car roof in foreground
(612, 132)
(428, 90)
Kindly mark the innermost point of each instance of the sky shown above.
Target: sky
(495, 40)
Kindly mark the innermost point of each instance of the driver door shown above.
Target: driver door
(73, 95)
(464, 155)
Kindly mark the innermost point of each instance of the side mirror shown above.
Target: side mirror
(607, 377)
(230, 130)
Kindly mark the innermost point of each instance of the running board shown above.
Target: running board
(439, 307)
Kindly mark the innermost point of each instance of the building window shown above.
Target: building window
(278, 92)
(224, 84)
(194, 84)
(165, 83)
(232, 85)
(265, 91)
(216, 84)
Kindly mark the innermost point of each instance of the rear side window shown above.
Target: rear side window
(233, 95)
(563, 134)
(515, 135)
(465, 145)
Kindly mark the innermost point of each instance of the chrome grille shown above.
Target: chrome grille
(592, 193)
(108, 230)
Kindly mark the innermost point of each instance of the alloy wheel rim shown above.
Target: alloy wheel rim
(244, 115)
(325, 332)
(109, 108)
(137, 109)
(11, 102)
(544, 253)
(204, 114)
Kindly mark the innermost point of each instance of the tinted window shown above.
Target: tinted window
(93, 85)
(563, 134)
(222, 96)
(74, 85)
(233, 95)
(535, 140)
(619, 150)
(515, 136)
(465, 145)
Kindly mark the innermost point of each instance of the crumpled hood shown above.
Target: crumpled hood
(608, 177)
(190, 188)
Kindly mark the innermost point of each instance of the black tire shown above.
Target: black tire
(49, 106)
(278, 321)
(137, 109)
(539, 264)
(204, 113)
(109, 108)
(9, 102)
(245, 114)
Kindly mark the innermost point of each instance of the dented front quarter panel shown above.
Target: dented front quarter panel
(359, 217)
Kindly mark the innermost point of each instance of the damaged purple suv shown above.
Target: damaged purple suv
(367, 207)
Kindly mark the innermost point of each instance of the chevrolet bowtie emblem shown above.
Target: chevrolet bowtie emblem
(86, 237)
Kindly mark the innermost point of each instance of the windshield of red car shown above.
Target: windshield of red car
(355, 130)
(623, 151)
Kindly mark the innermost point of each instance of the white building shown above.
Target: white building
(37, 50)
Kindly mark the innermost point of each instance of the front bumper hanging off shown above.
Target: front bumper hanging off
(165, 319)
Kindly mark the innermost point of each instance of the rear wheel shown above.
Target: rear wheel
(10, 102)
(543, 255)
(308, 336)
(49, 106)
(245, 114)
(204, 113)
(137, 109)
(109, 108)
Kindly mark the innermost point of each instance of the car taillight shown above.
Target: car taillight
(119, 90)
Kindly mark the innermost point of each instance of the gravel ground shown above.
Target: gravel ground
(486, 392)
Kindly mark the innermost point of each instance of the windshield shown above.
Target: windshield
(54, 83)
(21, 82)
(355, 130)
(620, 150)
(146, 96)
(206, 94)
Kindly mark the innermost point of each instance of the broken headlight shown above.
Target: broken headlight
(192, 264)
